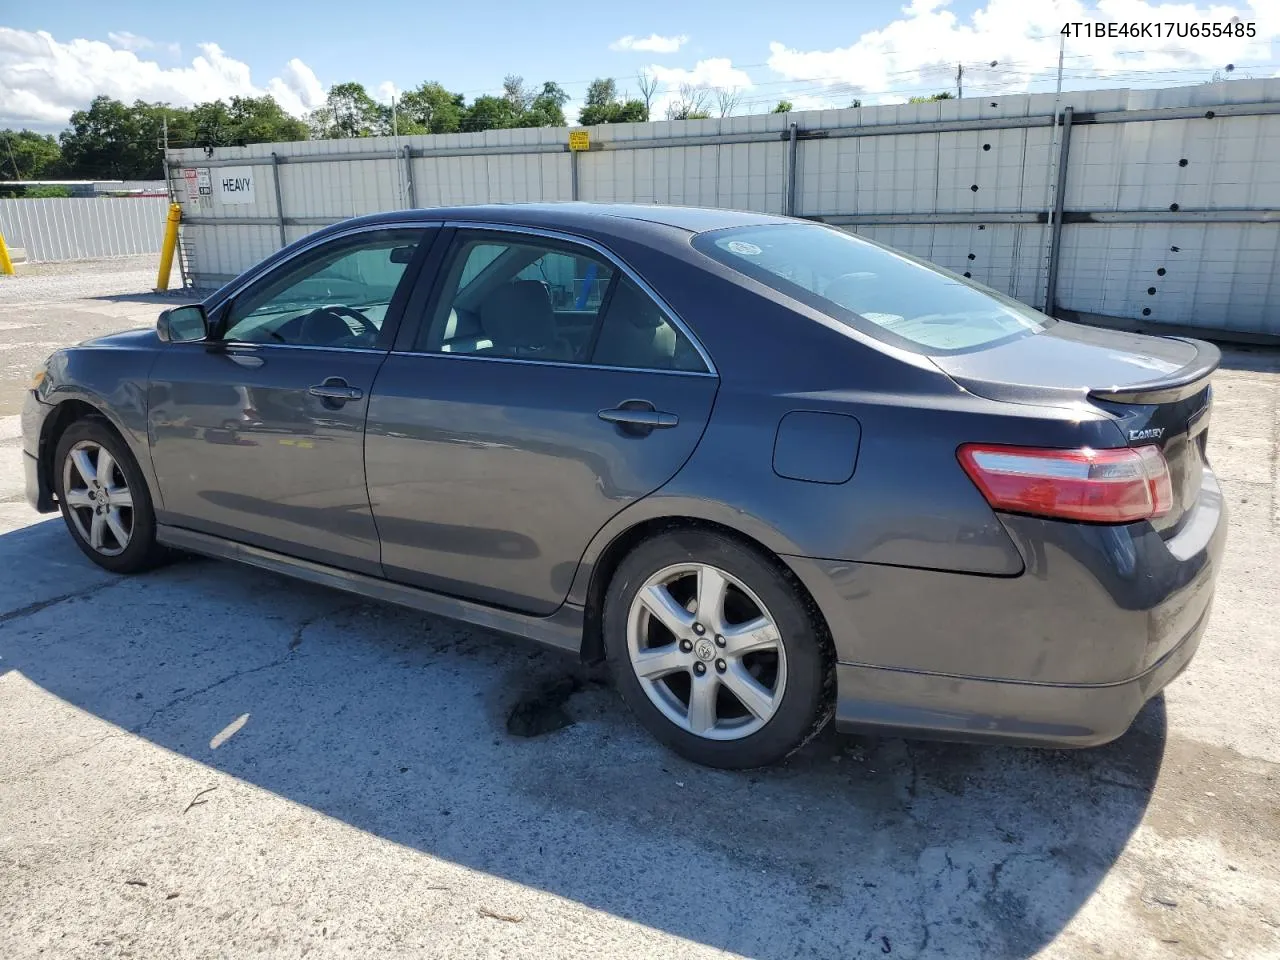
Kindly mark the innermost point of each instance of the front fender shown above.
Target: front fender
(113, 382)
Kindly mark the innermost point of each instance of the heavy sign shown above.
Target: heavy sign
(233, 185)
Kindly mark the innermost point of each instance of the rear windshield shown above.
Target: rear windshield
(893, 297)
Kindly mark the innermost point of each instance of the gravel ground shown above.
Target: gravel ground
(49, 305)
(210, 761)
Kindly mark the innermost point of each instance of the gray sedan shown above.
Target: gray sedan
(769, 471)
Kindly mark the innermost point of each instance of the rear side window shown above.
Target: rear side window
(896, 298)
(526, 298)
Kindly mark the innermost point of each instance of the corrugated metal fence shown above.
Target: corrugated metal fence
(1153, 207)
(83, 228)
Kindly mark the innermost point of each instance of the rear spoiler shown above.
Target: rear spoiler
(1185, 382)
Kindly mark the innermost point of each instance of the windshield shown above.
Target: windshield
(892, 296)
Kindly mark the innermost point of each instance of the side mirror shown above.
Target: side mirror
(183, 324)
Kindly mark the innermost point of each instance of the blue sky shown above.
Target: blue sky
(55, 55)
(466, 46)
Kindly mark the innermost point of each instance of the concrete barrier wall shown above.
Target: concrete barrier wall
(1170, 198)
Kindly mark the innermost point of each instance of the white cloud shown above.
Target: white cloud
(298, 91)
(918, 53)
(124, 40)
(654, 43)
(42, 80)
(716, 72)
(706, 74)
(386, 91)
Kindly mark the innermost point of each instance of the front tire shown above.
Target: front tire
(104, 498)
(713, 647)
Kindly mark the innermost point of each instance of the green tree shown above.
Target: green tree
(27, 155)
(262, 120)
(430, 108)
(784, 106)
(692, 104)
(47, 191)
(546, 109)
(245, 120)
(112, 141)
(514, 92)
(489, 113)
(349, 112)
(603, 105)
(944, 95)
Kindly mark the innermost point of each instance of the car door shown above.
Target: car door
(541, 390)
(257, 434)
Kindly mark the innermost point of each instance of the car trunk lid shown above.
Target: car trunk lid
(1156, 388)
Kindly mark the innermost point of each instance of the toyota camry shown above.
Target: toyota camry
(771, 472)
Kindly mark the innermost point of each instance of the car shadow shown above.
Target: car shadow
(1253, 359)
(163, 298)
(397, 724)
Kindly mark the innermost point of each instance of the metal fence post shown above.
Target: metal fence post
(573, 174)
(1055, 225)
(408, 176)
(790, 197)
(275, 175)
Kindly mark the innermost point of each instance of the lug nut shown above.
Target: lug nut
(721, 666)
(686, 646)
(699, 629)
(699, 668)
(719, 640)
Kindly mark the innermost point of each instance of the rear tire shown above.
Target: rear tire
(104, 498)
(713, 647)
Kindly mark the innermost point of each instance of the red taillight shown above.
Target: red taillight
(1097, 486)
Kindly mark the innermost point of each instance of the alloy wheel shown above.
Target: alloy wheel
(98, 498)
(706, 651)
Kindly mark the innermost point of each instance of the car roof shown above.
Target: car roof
(600, 218)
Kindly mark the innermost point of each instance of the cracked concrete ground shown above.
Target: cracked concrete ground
(211, 761)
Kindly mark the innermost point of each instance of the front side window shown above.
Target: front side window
(531, 299)
(335, 296)
(896, 298)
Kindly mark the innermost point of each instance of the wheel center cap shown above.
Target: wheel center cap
(704, 649)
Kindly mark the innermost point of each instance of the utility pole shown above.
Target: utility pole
(1062, 49)
(164, 149)
(959, 81)
(395, 123)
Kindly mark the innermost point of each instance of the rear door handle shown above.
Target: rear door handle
(638, 417)
(335, 390)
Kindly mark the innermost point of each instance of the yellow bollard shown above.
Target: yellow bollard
(170, 244)
(6, 264)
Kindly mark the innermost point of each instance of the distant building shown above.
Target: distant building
(90, 188)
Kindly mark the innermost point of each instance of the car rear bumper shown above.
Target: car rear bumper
(1066, 653)
(932, 706)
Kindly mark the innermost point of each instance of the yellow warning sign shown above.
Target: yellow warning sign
(579, 140)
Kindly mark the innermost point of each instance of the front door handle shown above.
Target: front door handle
(638, 417)
(335, 390)
(244, 358)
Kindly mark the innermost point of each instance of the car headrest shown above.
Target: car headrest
(519, 314)
(633, 305)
